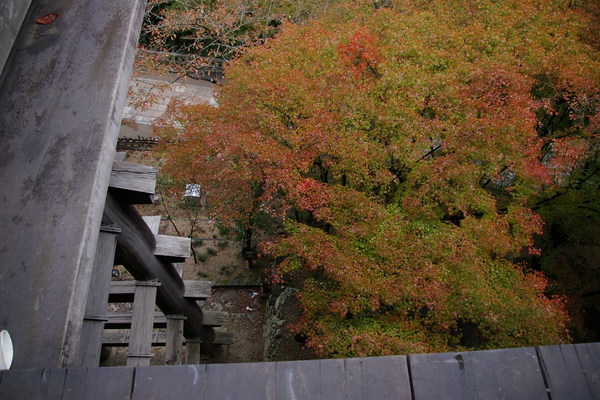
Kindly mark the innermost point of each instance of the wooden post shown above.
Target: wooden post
(192, 351)
(174, 345)
(95, 310)
(140, 341)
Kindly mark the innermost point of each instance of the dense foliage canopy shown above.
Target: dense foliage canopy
(191, 36)
(398, 153)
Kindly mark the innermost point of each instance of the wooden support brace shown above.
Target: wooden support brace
(120, 338)
(172, 249)
(122, 320)
(135, 250)
(90, 342)
(174, 344)
(197, 290)
(122, 291)
(133, 183)
(140, 342)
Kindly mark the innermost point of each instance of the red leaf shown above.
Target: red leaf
(46, 19)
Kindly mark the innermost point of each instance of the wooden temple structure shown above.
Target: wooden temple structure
(67, 217)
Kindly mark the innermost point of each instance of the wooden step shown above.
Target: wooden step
(123, 320)
(123, 291)
(133, 183)
(173, 249)
(117, 338)
(197, 290)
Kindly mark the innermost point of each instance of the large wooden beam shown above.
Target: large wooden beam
(135, 250)
(61, 105)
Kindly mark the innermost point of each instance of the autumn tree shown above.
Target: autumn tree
(399, 150)
(197, 36)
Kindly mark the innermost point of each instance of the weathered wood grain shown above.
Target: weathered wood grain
(508, 373)
(223, 337)
(180, 382)
(74, 384)
(23, 384)
(385, 378)
(133, 183)
(241, 381)
(122, 291)
(494, 374)
(61, 102)
(122, 320)
(353, 379)
(198, 290)
(135, 250)
(451, 372)
(159, 338)
(55, 382)
(333, 379)
(94, 319)
(173, 249)
(113, 383)
(564, 373)
(192, 351)
(298, 380)
(140, 343)
(589, 356)
(174, 340)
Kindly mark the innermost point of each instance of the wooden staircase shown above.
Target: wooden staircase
(158, 280)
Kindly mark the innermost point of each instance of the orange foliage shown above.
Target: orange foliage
(400, 150)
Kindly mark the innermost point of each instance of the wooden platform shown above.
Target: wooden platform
(554, 372)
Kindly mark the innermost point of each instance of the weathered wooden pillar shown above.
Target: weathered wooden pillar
(57, 153)
(174, 342)
(140, 341)
(95, 310)
(192, 351)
